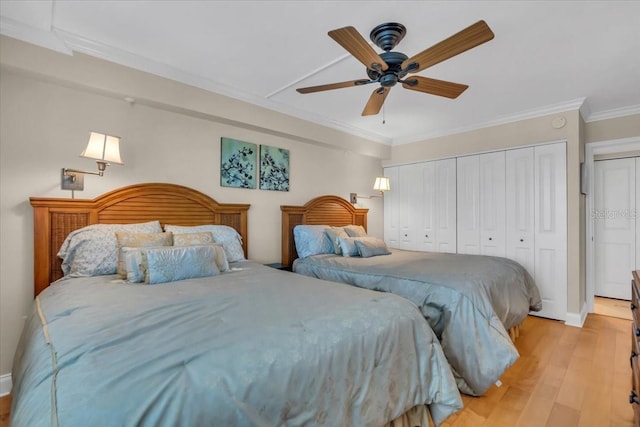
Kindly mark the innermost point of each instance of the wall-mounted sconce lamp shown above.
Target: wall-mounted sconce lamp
(382, 184)
(105, 149)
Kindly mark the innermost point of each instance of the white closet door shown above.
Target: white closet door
(492, 204)
(391, 218)
(468, 204)
(637, 213)
(520, 207)
(410, 206)
(445, 206)
(550, 189)
(615, 226)
(429, 207)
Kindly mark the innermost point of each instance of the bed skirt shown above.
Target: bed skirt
(418, 416)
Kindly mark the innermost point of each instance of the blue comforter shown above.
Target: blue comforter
(468, 300)
(251, 347)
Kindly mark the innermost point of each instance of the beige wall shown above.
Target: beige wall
(524, 132)
(48, 104)
(611, 129)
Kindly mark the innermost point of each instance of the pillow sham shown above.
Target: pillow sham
(355, 231)
(93, 250)
(153, 265)
(334, 233)
(348, 246)
(371, 246)
(203, 238)
(139, 240)
(312, 240)
(227, 236)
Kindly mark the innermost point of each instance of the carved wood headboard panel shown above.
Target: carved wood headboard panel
(174, 204)
(323, 210)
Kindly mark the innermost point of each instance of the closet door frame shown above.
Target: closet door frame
(591, 150)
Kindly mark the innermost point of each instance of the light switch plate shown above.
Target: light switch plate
(353, 197)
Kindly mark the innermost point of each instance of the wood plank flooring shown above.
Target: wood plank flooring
(565, 377)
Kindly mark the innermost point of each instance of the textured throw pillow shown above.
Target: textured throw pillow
(169, 263)
(371, 246)
(355, 231)
(93, 250)
(334, 233)
(348, 246)
(227, 236)
(190, 239)
(203, 238)
(139, 240)
(311, 240)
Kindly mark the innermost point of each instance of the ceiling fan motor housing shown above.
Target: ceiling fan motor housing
(386, 36)
(391, 75)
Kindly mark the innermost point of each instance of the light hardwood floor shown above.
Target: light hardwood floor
(565, 377)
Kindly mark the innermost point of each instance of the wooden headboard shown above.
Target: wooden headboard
(173, 204)
(323, 210)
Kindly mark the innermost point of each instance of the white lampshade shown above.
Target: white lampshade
(105, 148)
(382, 184)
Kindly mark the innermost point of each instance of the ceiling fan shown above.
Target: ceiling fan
(390, 68)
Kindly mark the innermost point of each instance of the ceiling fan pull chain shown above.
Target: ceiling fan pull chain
(383, 115)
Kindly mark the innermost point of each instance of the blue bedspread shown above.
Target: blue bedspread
(252, 347)
(468, 300)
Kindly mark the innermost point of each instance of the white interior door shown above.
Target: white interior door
(615, 226)
(468, 204)
(445, 212)
(410, 206)
(492, 204)
(429, 206)
(550, 201)
(520, 207)
(637, 213)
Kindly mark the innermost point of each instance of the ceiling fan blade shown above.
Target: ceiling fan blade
(375, 101)
(435, 87)
(350, 39)
(332, 86)
(462, 41)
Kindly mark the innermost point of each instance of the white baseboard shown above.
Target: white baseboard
(577, 319)
(5, 384)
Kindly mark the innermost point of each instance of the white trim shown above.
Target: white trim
(574, 104)
(38, 36)
(591, 149)
(577, 319)
(5, 384)
(612, 114)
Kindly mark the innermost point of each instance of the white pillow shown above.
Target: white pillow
(227, 236)
(93, 250)
(334, 233)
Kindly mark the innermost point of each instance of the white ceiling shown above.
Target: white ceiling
(547, 56)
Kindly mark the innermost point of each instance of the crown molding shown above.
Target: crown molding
(138, 62)
(47, 39)
(613, 114)
(574, 104)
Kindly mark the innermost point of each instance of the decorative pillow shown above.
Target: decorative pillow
(348, 246)
(203, 238)
(139, 240)
(371, 246)
(355, 231)
(93, 250)
(190, 239)
(227, 236)
(312, 240)
(170, 263)
(334, 233)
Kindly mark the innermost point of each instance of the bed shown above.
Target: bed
(470, 301)
(250, 346)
